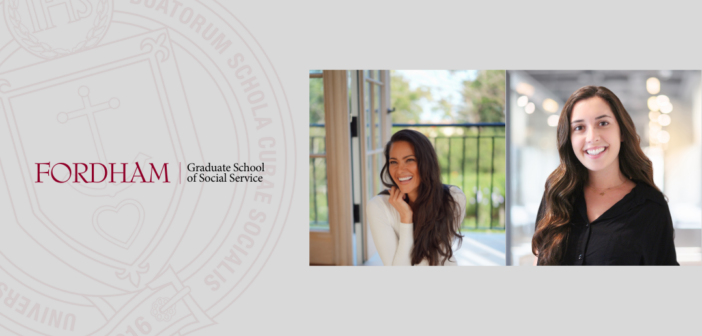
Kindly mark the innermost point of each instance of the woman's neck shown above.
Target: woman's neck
(606, 178)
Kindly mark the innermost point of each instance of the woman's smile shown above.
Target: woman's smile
(404, 180)
(595, 152)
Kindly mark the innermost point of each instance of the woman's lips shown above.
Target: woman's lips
(405, 180)
(595, 152)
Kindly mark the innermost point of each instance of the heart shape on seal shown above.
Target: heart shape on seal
(120, 225)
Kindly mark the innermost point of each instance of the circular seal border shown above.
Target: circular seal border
(292, 162)
(280, 97)
(228, 298)
(31, 43)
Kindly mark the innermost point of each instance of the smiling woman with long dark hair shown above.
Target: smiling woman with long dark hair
(601, 206)
(418, 219)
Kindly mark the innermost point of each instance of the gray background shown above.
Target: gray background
(290, 297)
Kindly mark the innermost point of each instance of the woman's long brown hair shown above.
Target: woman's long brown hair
(564, 184)
(435, 213)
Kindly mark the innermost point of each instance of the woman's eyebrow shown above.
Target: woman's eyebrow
(393, 158)
(600, 117)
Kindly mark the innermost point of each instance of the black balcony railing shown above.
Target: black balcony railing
(471, 156)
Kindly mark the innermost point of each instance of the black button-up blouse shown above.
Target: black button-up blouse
(637, 230)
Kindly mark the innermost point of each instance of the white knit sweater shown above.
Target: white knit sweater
(393, 239)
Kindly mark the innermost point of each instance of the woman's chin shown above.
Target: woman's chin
(597, 166)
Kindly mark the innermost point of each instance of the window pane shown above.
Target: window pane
(376, 116)
(317, 107)
(369, 177)
(367, 109)
(319, 210)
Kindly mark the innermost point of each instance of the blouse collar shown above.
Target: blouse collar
(636, 197)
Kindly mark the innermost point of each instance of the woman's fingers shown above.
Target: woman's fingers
(394, 195)
(397, 200)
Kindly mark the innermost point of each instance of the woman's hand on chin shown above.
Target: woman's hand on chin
(398, 202)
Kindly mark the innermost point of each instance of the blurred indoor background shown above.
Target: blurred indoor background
(666, 109)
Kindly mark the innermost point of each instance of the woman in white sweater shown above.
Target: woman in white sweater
(416, 221)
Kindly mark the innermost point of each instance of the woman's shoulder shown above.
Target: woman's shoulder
(649, 206)
(651, 212)
(379, 208)
(379, 201)
(651, 195)
(456, 192)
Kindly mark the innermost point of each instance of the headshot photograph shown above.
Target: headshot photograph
(407, 167)
(604, 167)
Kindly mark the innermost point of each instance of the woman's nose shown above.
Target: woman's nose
(403, 167)
(592, 135)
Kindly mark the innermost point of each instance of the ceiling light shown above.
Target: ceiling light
(550, 105)
(653, 85)
(664, 119)
(653, 115)
(654, 126)
(525, 89)
(662, 100)
(522, 101)
(530, 108)
(663, 137)
(652, 104)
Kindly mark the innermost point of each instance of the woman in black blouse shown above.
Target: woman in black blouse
(601, 206)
